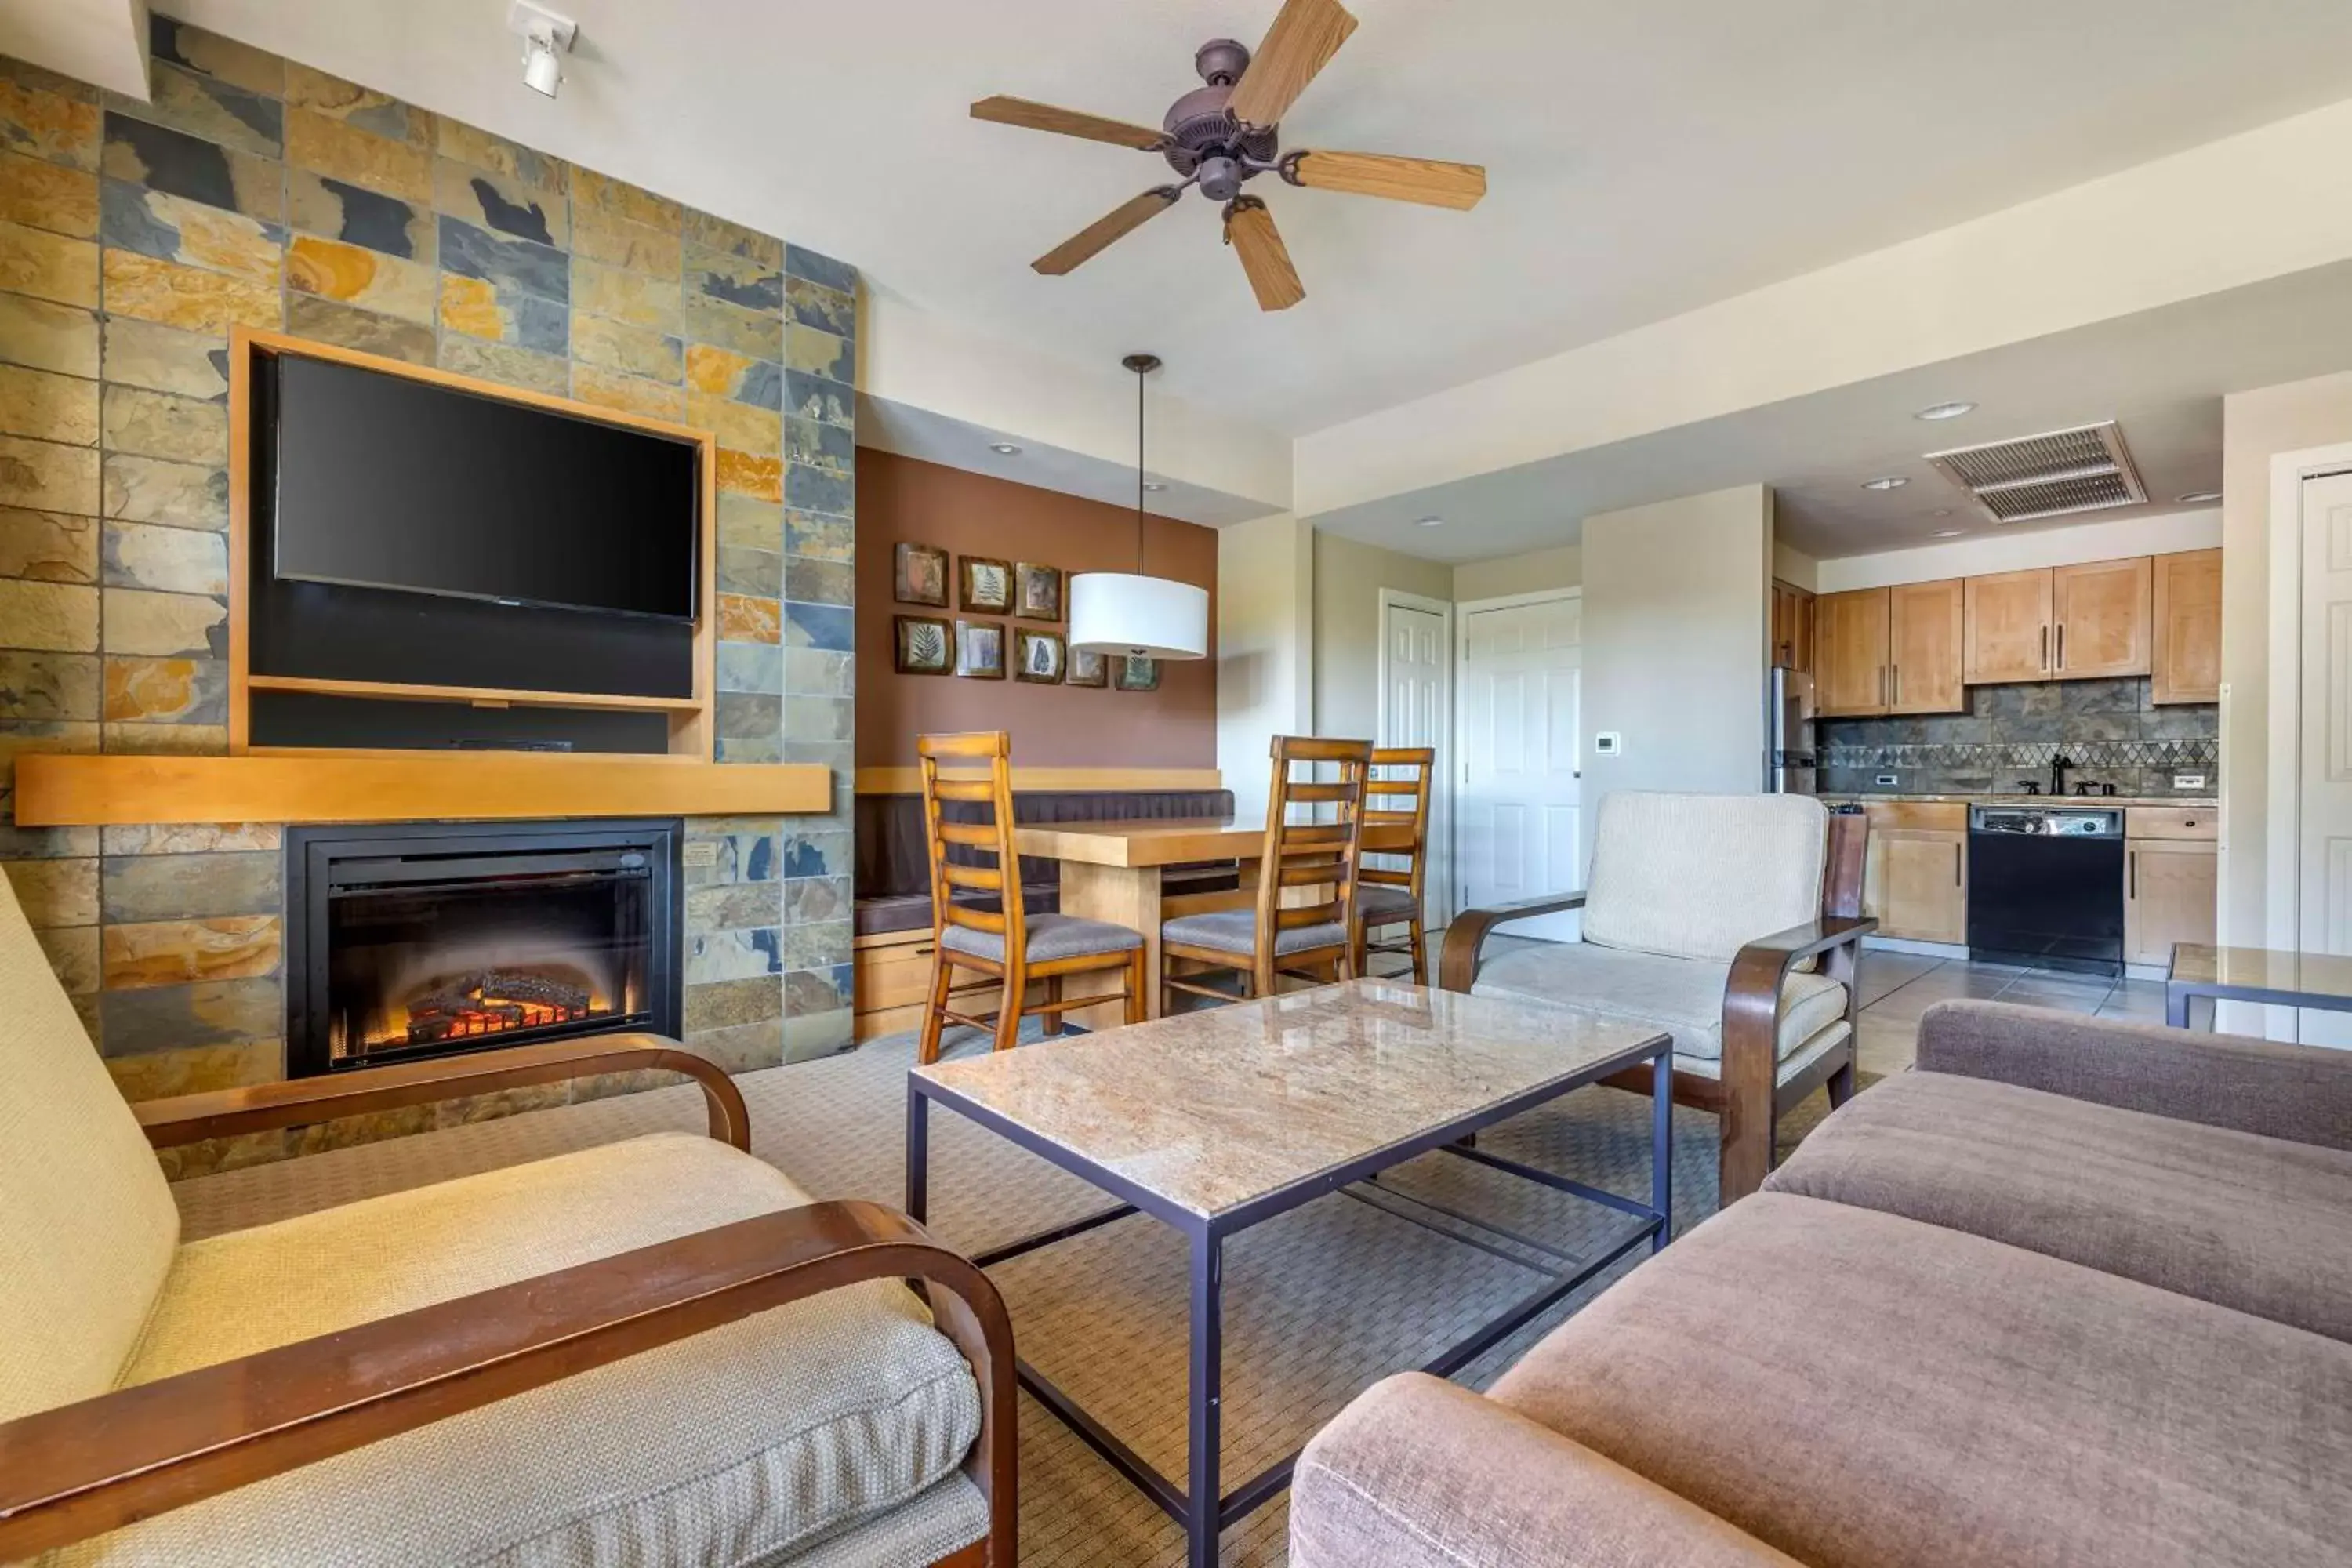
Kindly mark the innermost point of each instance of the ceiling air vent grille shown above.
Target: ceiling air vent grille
(2054, 475)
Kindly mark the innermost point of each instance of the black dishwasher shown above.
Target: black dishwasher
(2046, 887)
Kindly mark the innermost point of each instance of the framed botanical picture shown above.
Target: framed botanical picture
(1037, 590)
(987, 585)
(1138, 674)
(979, 649)
(920, 576)
(923, 645)
(1038, 657)
(1087, 668)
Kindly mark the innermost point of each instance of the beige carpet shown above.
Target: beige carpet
(1318, 1303)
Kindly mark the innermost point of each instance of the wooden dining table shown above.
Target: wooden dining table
(1116, 871)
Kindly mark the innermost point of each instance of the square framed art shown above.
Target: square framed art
(922, 644)
(987, 585)
(1087, 668)
(1037, 590)
(918, 575)
(979, 650)
(1038, 657)
(1138, 674)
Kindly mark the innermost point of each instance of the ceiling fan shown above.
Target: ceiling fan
(1222, 135)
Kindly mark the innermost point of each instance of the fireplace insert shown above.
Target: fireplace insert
(422, 939)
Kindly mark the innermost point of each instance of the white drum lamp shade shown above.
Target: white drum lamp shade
(1147, 618)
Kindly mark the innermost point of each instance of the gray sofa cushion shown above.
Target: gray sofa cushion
(1050, 937)
(1681, 995)
(1235, 931)
(2258, 1224)
(1862, 1391)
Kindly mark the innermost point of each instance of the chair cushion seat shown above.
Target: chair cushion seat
(1376, 904)
(734, 1446)
(913, 912)
(2258, 1224)
(1235, 931)
(2004, 1407)
(1683, 994)
(1050, 937)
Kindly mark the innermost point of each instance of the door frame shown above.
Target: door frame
(2282, 845)
(1464, 609)
(1437, 879)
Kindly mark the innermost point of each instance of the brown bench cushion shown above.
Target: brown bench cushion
(1862, 1391)
(2258, 1224)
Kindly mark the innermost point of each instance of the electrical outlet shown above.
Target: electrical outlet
(1886, 780)
(2188, 781)
(1609, 743)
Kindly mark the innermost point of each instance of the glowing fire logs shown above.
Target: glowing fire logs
(491, 1002)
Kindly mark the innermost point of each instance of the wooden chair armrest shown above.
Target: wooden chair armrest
(1457, 962)
(1751, 1031)
(85, 1468)
(224, 1113)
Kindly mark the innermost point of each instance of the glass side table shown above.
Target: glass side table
(2280, 977)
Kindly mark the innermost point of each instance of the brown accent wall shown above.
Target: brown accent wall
(1063, 726)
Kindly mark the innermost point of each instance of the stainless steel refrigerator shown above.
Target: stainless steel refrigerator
(1789, 726)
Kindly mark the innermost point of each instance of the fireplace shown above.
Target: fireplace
(423, 939)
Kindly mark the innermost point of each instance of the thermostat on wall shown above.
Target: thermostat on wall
(1609, 743)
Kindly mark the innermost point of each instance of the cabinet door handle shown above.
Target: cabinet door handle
(2131, 875)
(2062, 645)
(1955, 865)
(2045, 649)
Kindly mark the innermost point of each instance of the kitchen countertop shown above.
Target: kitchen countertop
(2207, 802)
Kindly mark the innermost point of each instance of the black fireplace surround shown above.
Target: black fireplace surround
(414, 939)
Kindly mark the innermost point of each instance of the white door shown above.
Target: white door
(1414, 712)
(1517, 812)
(2325, 851)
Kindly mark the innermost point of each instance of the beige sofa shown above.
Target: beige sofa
(655, 1351)
(2073, 1294)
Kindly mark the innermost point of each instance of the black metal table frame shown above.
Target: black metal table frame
(1200, 1507)
(2179, 994)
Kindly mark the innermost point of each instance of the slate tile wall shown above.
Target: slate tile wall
(2111, 729)
(256, 190)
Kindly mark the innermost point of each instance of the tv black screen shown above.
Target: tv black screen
(388, 482)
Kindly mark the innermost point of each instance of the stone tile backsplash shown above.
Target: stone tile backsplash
(2110, 729)
(254, 190)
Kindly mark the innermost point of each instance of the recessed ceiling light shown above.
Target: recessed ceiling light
(1945, 410)
(1889, 482)
(1431, 522)
(2199, 498)
(1949, 532)
(1004, 449)
(1153, 485)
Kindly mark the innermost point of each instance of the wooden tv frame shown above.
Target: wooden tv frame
(692, 733)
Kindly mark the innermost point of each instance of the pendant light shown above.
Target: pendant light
(1128, 613)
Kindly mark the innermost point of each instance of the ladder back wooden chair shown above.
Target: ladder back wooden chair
(1391, 896)
(1006, 947)
(1312, 940)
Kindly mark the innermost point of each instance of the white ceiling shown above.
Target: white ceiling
(2162, 374)
(1643, 158)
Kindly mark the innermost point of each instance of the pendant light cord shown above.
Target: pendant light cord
(1139, 473)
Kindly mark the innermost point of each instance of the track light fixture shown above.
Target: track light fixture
(546, 39)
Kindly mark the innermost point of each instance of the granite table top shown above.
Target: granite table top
(1212, 1109)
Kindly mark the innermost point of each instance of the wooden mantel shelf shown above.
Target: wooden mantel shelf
(73, 791)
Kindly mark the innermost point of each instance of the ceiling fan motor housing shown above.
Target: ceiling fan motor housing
(1203, 137)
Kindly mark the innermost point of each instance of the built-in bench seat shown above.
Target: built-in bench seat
(893, 911)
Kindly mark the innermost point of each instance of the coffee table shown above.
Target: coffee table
(1216, 1121)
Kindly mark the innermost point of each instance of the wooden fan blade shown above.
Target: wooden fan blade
(1020, 111)
(1122, 221)
(1304, 37)
(1423, 180)
(1250, 231)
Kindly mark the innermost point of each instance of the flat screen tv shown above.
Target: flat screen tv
(384, 481)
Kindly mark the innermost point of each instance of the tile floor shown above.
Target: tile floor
(1897, 987)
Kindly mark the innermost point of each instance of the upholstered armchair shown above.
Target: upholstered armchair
(1733, 921)
(654, 1350)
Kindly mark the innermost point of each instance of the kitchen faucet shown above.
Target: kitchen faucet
(2058, 767)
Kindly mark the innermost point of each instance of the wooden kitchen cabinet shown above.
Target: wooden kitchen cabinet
(1850, 653)
(2008, 626)
(2186, 662)
(1793, 628)
(1914, 870)
(2103, 618)
(2170, 888)
(1925, 624)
